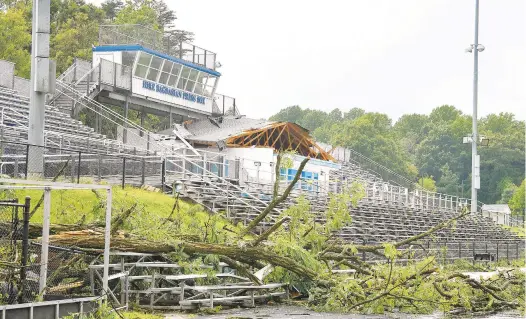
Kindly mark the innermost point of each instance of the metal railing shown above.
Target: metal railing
(225, 105)
(74, 165)
(114, 74)
(156, 40)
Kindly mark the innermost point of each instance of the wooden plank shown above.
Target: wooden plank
(235, 287)
(227, 299)
(118, 275)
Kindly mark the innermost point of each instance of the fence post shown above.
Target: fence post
(143, 171)
(473, 253)
(78, 169)
(123, 171)
(45, 241)
(517, 251)
(15, 169)
(114, 74)
(25, 244)
(497, 251)
(508, 251)
(99, 162)
(459, 250)
(72, 168)
(163, 177)
(27, 158)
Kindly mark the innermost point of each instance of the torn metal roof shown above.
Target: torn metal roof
(240, 131)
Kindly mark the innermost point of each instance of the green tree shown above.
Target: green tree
(507, 190)
(504, 158)
(293, 114)
(335, 115)
(111, 8)
(138, 13)
(354, 113)
(411, 129)
(15, 39)
(516, 202)
(443, 145)
(428, 183)
(371, 135)
(444, 113)
(313, 119)
(448, 183)
(74, 39)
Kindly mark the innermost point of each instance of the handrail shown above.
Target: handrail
(151, 30)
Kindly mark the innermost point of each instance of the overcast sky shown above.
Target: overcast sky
(395, 57)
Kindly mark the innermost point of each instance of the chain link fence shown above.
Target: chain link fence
(21, 263)
(14, 223)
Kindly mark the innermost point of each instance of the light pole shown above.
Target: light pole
(475, 159)
(42, 82)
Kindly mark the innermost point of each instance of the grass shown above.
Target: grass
(141, 315)
(149, 218)
(84, 206)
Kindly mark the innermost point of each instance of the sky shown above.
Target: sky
(394, 57)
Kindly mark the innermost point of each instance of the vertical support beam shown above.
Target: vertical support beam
(473, 253)
(25, 246)
(78, 168)
(475, 171)
(123, 171)
(171, 120)
(125, 130)
(45, 240)
(39, 74)
(99, 166)
(163, 174)
(72, 168)
(141, 133)
(143, 170)
(123, 282)
(107, 230)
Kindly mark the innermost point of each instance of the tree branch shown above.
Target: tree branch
(242, 270)
(277, 169)
(269, 231)
(275, 201)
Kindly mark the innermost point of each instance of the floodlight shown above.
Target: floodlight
(178, 187)
(469, 49)
(257, 164)
(481, 48)
(484, 141)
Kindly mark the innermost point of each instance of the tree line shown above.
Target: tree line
(428, 148)
(75, 27)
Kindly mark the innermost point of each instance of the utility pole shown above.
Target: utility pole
(475, 159)
(42, 82)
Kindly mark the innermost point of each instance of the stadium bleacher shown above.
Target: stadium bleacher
(381, 216)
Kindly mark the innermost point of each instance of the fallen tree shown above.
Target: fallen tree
(303, 247)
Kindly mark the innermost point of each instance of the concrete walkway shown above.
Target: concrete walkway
(297, 312)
